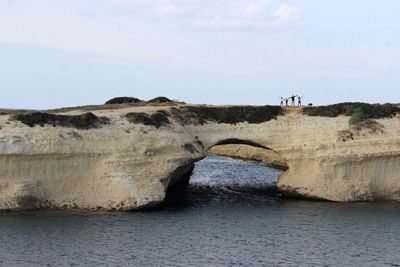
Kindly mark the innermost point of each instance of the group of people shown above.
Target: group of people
(292, 100)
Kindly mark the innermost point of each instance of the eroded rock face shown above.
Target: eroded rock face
(247, 152)
(125, 166)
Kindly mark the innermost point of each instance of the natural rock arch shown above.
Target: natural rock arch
(248, 151)
(234, 148)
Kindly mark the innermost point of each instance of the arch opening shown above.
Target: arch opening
(233, 169)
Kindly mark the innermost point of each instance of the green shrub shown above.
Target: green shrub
(138, 118)
(157, 119)
(357, 111)
(123, 100)
(164, 112)
(335, 110)
(358, 116)
(160, 99)
(231, 115)
(83, 121)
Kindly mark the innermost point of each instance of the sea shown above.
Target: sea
(231, 214)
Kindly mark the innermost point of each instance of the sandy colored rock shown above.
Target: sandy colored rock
(246, 152)
(125, 166)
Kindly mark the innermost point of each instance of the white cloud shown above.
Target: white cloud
(252, 14)
(218, 13)
(286, 14)
(253, 8)
(159, 7)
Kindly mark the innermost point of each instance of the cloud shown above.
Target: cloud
(286, 14)
(160, 7)
(252, 14)
(252, 8)
(157, 31)
(218, 13)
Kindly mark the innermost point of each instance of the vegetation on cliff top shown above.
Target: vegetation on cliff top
(199, 115)
(358, 112)
(158, 119)
(229, 114)
(83, 121)
(160, 99)
(131, 100)
(123, 100)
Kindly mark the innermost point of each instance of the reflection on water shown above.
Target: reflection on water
(219, 224)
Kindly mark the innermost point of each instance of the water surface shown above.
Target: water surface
(230, 216)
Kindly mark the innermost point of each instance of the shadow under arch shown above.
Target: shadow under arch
(236, 141)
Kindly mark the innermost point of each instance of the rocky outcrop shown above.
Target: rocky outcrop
(125, 165)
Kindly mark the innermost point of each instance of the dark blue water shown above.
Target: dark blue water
(229, 216)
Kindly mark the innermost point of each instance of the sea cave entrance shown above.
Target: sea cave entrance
(234, 170)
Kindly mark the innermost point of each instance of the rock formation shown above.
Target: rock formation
(120, 160)
(247, 152)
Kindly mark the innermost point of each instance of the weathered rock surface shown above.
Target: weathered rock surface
(246, 152)
(126, 166)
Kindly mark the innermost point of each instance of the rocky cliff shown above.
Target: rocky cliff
(125, 156)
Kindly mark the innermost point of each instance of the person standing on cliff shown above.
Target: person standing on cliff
(287, 101)
(293, 100)
(281, 101)
(299, 100)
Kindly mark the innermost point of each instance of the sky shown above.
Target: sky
(57, 53)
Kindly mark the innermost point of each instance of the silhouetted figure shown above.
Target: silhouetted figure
(281, 101)
(287, 101)
(299, 100)
(293, 100)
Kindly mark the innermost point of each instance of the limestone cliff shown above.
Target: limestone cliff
(129, 157)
